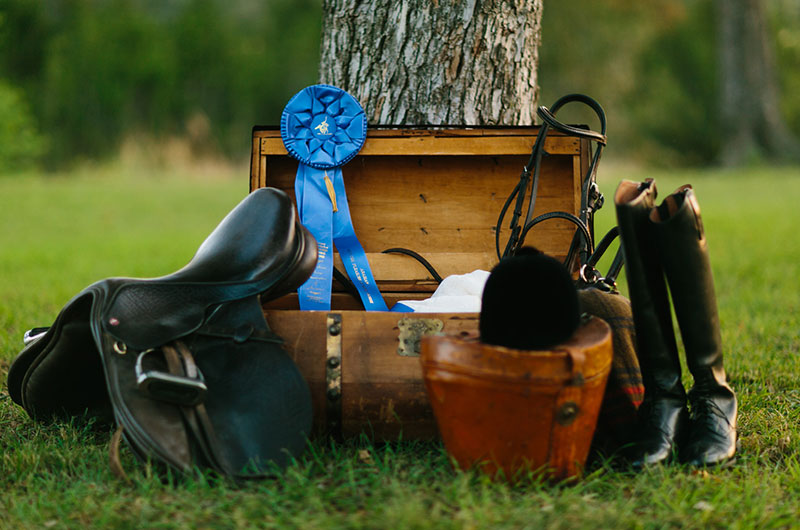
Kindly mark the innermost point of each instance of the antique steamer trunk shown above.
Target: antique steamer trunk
(437, 192)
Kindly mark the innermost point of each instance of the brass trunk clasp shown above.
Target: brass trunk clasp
(411, 332)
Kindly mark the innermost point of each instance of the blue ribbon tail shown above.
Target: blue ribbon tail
(316, 214)
(351, 251)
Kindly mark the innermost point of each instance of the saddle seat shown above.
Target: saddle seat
(185, 364)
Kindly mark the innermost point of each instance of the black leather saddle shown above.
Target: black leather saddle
(185, 364)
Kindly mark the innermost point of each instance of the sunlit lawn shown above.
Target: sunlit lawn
(58, 234)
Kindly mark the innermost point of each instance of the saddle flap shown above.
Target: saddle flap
(238, 406)
(260, 408)
(60, 374)
(154, 428)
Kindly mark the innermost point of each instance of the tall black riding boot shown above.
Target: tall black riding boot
(678, 228)
(663, 416)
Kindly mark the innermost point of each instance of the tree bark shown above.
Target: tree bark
(435, 62)
(750, 116)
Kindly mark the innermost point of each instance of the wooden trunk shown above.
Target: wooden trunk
(437, 192)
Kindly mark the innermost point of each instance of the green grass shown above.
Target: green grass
(60, 233)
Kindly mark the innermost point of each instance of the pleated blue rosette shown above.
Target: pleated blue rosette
(324, 127)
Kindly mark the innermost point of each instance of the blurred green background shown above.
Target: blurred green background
(187, 79)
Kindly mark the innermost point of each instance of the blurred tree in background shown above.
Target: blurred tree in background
(20, 142)
(98, 72)
(80, 78)
(749, 101)
(654, 67)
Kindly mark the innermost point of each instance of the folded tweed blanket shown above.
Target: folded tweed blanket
(625, 389)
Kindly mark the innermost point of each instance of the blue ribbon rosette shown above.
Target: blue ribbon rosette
(324, 127)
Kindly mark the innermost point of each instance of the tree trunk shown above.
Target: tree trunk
(750, 108)
(436, 62)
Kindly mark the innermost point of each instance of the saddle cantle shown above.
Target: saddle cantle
(186, 364)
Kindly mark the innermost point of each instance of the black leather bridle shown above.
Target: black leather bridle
(582, 245)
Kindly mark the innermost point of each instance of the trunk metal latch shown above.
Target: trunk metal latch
(411, 332)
